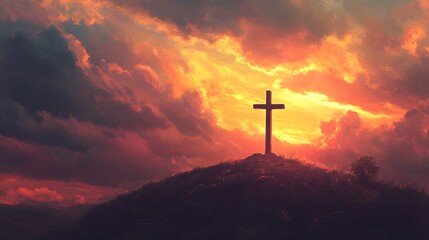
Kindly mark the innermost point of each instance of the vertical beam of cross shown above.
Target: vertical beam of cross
(268, 106)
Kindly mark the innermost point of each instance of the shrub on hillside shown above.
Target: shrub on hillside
(364, 170)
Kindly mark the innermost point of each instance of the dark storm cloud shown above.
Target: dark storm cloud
(184, 113)
(14, 122)
(224, 16)
(101, 42)
(416, 81)
(116, 165)
(56, 123)
(187, 115)
(270, 32)
(39, 72)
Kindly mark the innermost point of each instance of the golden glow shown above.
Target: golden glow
(230, 82)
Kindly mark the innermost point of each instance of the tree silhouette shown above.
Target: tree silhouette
(365, 170)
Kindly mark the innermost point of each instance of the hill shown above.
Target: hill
(260, 197)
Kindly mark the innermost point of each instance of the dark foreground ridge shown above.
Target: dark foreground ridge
(260, 197)
(28, 222)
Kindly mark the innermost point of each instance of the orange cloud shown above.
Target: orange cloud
(38, 194)
(16, 189)
(414, 32)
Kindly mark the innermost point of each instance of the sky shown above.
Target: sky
(98, 97)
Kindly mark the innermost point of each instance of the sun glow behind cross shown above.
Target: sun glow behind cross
(222, 72)
(230, 83)
(228, 80)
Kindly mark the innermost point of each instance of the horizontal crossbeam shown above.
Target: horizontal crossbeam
(270, 106)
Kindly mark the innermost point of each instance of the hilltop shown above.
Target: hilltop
(260, 197)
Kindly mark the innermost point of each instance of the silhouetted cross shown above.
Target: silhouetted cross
(268, 106)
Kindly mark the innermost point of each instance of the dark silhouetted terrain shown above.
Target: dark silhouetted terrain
(22, 222)
(260, 197)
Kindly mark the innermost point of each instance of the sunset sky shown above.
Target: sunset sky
(98, 97)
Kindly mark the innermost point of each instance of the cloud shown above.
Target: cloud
(188, 116)
(389, 47)
(58, 123)
(46, 12)
(22, 195)
(225, 16)
(337, 89)
(101, 43)
(16, 189)
(15, 122)
(415, 83)
(262, 27)
(400, 149)
(60, 120)
(17, 10)
(40, 73)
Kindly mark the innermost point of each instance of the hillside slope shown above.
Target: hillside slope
(260, 197)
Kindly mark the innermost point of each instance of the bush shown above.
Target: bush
(365, 170)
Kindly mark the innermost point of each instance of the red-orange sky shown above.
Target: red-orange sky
(98, 97)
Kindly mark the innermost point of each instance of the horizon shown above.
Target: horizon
(98, 97)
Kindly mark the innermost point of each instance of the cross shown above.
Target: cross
(268, 106)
